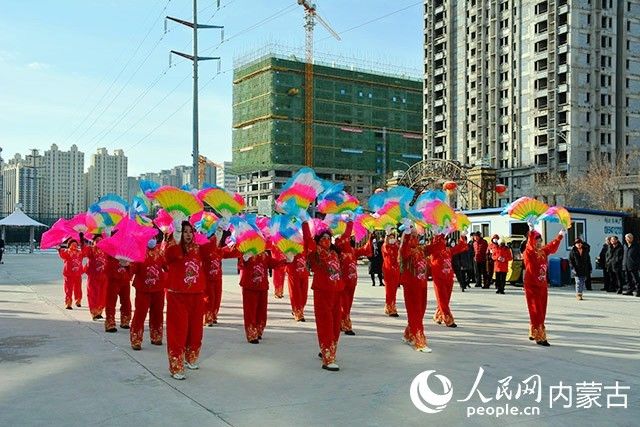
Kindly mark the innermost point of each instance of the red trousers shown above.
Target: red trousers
(391, 281)
(184, 328)
(443, 288)
(96, 294)
(298, 292)
(72, 288)
(254, 307)
(415, 301)
(152, 303)
(347, 302)
(117, 290)
(278, 281)
(537, 304)
(212, 299)
(327, 308)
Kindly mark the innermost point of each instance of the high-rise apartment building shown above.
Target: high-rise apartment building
(21, 185)
(224, 177)
(533, 88)
(62, 182)
(107, 174)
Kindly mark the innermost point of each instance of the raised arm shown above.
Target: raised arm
(552, 247)
(309, 243)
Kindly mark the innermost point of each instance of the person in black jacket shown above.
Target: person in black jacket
(615, 256)
(631, 264)
(462, 265)
(1, 249)
(375, 261)
(580, 266)
(601, 261)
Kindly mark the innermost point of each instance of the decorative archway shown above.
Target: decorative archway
(430, 174)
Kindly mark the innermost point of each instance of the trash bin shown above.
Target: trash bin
(559, 272)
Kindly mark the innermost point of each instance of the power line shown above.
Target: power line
(133, 55)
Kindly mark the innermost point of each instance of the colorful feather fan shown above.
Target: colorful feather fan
(205, 222)
(337, 203)
(439, 215)
(303, 187)
(462, 222)
(526, 209)
(140, 205)
(148, 186)
(393, 203)
(558, 214)
(223, 201)
(286, 234)
(336, 223)
(164, 221)
(112, 203)
(248, 238)
(129, 243)
(363, 224)
(177, 203)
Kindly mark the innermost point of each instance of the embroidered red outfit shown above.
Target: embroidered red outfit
(413, 278)
(118, 286)
(149, 281)
(442, 273)
(391, 274)
(213, 285)
(254, 281)
(97, 278)
(327, 287)
(278, 273)
(298, 279)
(535, 283)
(185, 302)
(349, 267)
(72, 273)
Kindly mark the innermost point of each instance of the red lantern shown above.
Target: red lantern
(449, 186)
(501, 188)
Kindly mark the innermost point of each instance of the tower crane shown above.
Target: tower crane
(310, 17)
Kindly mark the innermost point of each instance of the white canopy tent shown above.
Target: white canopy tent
(20, 219)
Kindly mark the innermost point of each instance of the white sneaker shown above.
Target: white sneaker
(193, 367)
(406, 341)
(424, 350)
(178, 376)
(331, 367)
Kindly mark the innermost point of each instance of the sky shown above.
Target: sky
(96, 73)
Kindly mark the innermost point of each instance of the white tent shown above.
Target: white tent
(20, 219)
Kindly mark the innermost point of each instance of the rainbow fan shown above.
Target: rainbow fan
(288, 246)
(112, 203)
(178, 203)
(336, 224)
(99, 221)
(526, 209)
(286, 234)
(205, 222)
(393, 203)
(337, 203)
(384, 222)
(439, 215)
(148, 186)
(304, 187)
(140, 205)
(248, 239)
(558, 214)
(363, 224)
(318, 226)
(223, 201)
(143, 220)
(462, 221)
(129, 243)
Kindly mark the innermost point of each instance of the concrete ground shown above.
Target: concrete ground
(57, 367)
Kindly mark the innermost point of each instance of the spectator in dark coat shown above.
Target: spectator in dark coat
(375, 261)
(631, 264)
(1, 249)
(601, 261)
(580, 265)
(462, 265)
(615, 257)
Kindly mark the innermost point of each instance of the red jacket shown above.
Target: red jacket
(117, 272)
(72, 260)
(213, 260)
(97, 263)
(349, 255)
(390, 266)
(325, 264)
(255, 271)
(535, 261)
(186, 268)
(440, 259)
(501, 257)
(413, 263)
(480, 247)
(150, 275)
(298, 268)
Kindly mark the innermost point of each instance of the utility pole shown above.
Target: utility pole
(195, 58)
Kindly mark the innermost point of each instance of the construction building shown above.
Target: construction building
(533, 88)
(365, 125)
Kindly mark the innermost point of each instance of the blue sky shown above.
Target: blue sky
(78, 71)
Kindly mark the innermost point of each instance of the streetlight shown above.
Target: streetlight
(404, 163)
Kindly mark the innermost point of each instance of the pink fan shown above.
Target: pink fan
(129, 243)
(318, 226)
(79, 223)
(57, 234)
(164, 221)
(201, 239)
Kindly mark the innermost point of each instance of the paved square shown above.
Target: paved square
(58, 367)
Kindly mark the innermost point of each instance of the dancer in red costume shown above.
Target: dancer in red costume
(501, 257)
(97, 278)
(413, 278)
(349, 256)
(72, 273)
(185, 301)
(327, 288)
(150, 280)
(298, 279)
(254, 281)
(442, 273)
(118, 286)
(390, 272)
(278, 272)
(213, 269)
(535, 283)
